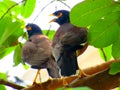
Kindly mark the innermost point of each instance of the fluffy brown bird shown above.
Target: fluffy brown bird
(67, 39)
(37, 51)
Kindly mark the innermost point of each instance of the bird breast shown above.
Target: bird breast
(36, 50)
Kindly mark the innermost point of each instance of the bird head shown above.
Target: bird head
(62, 17)
(33, 29)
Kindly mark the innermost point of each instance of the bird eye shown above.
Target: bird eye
(29, 28)
(60, 15)
(30, 40)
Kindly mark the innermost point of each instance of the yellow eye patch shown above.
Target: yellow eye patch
(28, 28)
(60, 15)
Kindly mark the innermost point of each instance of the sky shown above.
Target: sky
(43, 18)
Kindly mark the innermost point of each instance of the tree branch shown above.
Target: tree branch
(99, 68)
(13, 85)
(99, 79)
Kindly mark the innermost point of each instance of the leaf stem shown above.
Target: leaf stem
(104, 55)
(10, 9)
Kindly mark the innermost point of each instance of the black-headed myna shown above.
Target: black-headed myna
(37, 51)
(67, 39)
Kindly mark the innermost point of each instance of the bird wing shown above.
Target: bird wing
(66, 41)
(60, 32)
(75, 36)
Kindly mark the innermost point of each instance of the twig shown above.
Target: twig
(48, 31)
(13, 85)
(65, 4)
(105, 58)
(48, 5)
(10, 9)
(42, 10)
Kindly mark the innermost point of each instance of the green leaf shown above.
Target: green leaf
(12, 40)
(89, 11)
(114, 68)
(16, 11)
(25, 66)
(9, 34)
(118, 88)
(5, 51)
(50, 34)
(28, 8)
(107, 51)
(2, 87)
(10, 31)
(5, 5)
(17, 55)
(3, 76)
(105, 31)
(116, 48)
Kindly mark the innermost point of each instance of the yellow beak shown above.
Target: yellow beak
(51, 15)
(53, 20)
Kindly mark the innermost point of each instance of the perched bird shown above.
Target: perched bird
(67, 39)
(37, 51)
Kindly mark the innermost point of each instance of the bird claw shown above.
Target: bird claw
(38, 72)
(82, 73)
(65, 83)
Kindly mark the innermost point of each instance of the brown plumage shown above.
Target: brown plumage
(67, 39)
(67, 34)
(37, 51)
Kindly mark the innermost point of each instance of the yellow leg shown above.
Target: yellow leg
(81, 72)
(64, 82)
(36, 76)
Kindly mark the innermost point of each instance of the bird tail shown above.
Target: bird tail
(68, 63)
(53, 69)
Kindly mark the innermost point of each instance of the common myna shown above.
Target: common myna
(67, 39)
(37, 51)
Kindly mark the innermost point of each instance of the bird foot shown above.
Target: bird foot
(38, 73)
(65, 83)
(82, 73)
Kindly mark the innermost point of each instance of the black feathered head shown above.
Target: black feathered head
(62, 17)
(33, 29)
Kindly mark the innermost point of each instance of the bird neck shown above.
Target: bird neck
(31, 34)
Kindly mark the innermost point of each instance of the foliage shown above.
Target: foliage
(115, 68)
(11, 27)
(2, 76)
(49, 33)
(17, 55)
(106, 52)
(27, 8)
(102, 17)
